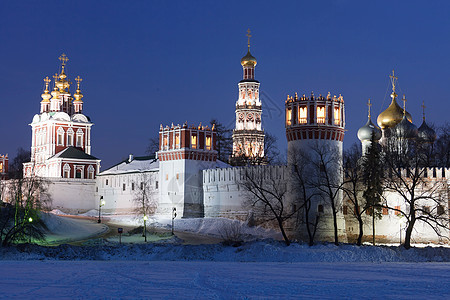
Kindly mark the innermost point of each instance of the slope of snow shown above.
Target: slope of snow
(258, 251)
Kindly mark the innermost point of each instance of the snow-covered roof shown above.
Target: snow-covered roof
(133, 165)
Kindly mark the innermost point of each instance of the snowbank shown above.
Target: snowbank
(258, 251)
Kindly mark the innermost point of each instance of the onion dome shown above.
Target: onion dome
(55, 93)
(406, 129)
(78, 95)
(63, 84)
(248, 60)
(426, 133)
(393, 115)
(46, 95)
(365, 132)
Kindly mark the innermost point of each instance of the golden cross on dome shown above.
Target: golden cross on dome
(393, 79)
(404, 104)
(78, 80)
(64, 59)
(423, 109)
(47, 81)
(369, 105)
(248, 37)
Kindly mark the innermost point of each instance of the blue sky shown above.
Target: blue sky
(144, 63)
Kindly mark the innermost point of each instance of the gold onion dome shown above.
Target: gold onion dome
(46, 95)
(248, 59)
(78, 95)
(392, 115)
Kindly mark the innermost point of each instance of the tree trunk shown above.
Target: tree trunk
(408, 234)
(286, 239)
(336, 239)
(361, 224)
(373, 226)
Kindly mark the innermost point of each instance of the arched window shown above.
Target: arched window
(70, 134)
(91, 172)
(60, 137)
(321, 114)
(80, 138)
(302, 115)
(66, 171)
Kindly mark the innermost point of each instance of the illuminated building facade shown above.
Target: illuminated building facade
(248, 135)
(3, 167)
(61, 144)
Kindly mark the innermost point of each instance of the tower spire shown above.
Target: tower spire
(404, 104)
(248, 38)
(393, 81)
(369, 106)
(423, 110)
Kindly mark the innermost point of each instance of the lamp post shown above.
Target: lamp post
(174, 215)
(30, 219)
(100, 204)
(145, 228)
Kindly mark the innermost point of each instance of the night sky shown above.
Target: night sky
(144, 63)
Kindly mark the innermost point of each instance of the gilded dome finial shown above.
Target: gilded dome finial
(393, 80)
(46, 96)
(404, 104)
(423, 110)
(248, 38)
(78, 95)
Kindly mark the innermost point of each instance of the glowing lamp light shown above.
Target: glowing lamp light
(145, 218)
(102, 203)
(30, 219)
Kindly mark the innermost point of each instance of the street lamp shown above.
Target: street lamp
(174, 215)
(100, 204)
(30, 219)
(145, 228)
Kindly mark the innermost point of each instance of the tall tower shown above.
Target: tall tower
(61, 134)
(183, 153)
(315, 133)
(248, 136)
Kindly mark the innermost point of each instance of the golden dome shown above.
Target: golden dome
(46, 95)
(78, 95)
(392, 115)
(248, 60)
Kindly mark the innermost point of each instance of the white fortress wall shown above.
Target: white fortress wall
(71, 195)
(224, 197)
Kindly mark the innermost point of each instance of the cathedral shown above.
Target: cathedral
(185, 174)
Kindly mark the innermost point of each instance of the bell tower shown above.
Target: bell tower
(248, 136)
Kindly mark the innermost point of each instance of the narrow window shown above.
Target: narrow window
(123, 187)
(288, 116)
(337, 116)
(397, 213)
(345, 209)
(320, 208)
(178, 176)
(106, 182)
(385, 211)
(156, 184)
(321, 114)
(302, 115)
(177, 141)
(208, 143)
(194, 142)
(132, 186)
(78, 173)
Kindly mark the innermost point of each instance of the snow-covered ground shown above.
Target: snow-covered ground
(222, 280)
(259, 268)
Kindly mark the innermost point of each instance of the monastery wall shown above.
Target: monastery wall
(72, 196)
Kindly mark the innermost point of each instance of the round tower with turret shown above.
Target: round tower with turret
(315, 131)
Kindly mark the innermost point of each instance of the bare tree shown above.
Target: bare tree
(303, 193)
(353, 186)
(406, 162)
(224, 140)
(20, 216)
(327, 178)
(144, 197)
(153, 145)
(266, 194)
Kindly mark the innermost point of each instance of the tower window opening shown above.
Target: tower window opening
(208, 143)
(194, 142)
(302, 115)
(177, 141)
(165, 143)
(124, 187)
(78, 173)
(69, 139)
(337, 116)
(321, 114)
(288, 116)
